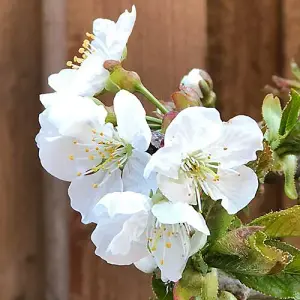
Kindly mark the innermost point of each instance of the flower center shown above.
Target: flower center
(199, 165)
(109, 151)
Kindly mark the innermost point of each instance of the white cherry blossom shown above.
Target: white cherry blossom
(203, 154)
(87, 76)
(77, 145)
(131, 230)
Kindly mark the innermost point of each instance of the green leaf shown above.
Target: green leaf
(290, 144)
(217, 220)
(290, 113)
(271, 111)
(258, 258)
(161, 290)
(235, 242)
(279, 224)
(281, 285)
(194, 285)
(294, 266)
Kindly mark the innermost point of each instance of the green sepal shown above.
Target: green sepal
(284, 223)
(196, 286)
(290, 113)
(271, 111)
(226, 296)
(161, 290)
(111, 86)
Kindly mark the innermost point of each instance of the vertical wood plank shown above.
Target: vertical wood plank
(244, 51)
(168, 40)
(21, 273)
(56, 203)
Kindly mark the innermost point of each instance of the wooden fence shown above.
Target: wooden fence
(45, 252)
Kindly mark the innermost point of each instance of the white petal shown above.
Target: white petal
(75, 115)
(198, 241)
(146, 264)
(61, 81)
(49, 99)
(55, 153)
(172, 252)
(131, 119)
(123, 203)
(166, 160)
(86, 191)
(174, 213)
(236, 188)
(194, 128)
(177, 190)
(240, 139)
(133, 174)
(104, 234)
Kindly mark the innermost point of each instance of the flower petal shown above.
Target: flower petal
(104, 234)
(63, 164)
(86, 191)
(240, 139)
(198, 241)
(133, 174)
(131, 119)
(174, 213)
(236, 188)
(171, 252)
(60, 82)
(192, 81)
(194, 128)
(123, 203)
(166, 161)
(146, 264)
(177, 190)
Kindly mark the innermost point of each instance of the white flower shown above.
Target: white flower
(202, 153)
(76, 145)
(87, 76)
(192, 81)
(130, 231)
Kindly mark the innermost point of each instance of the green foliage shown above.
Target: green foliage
(285, 223)
(196, 286)
(217, 219)
(161, 290)
(249, 255)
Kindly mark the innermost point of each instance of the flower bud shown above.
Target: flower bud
(185, 98)
(121, 79)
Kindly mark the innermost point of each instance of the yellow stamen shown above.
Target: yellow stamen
(168, 245)
(71, 157)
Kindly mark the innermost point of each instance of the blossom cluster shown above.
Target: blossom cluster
(147, 208)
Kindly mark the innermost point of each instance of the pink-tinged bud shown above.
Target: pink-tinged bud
(168, 118)
(185, 98)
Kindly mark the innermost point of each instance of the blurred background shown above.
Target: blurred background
(45, 252)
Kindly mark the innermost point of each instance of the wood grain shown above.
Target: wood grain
(21, 271)
(169, 39)
(56, 202)
(244, 51)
